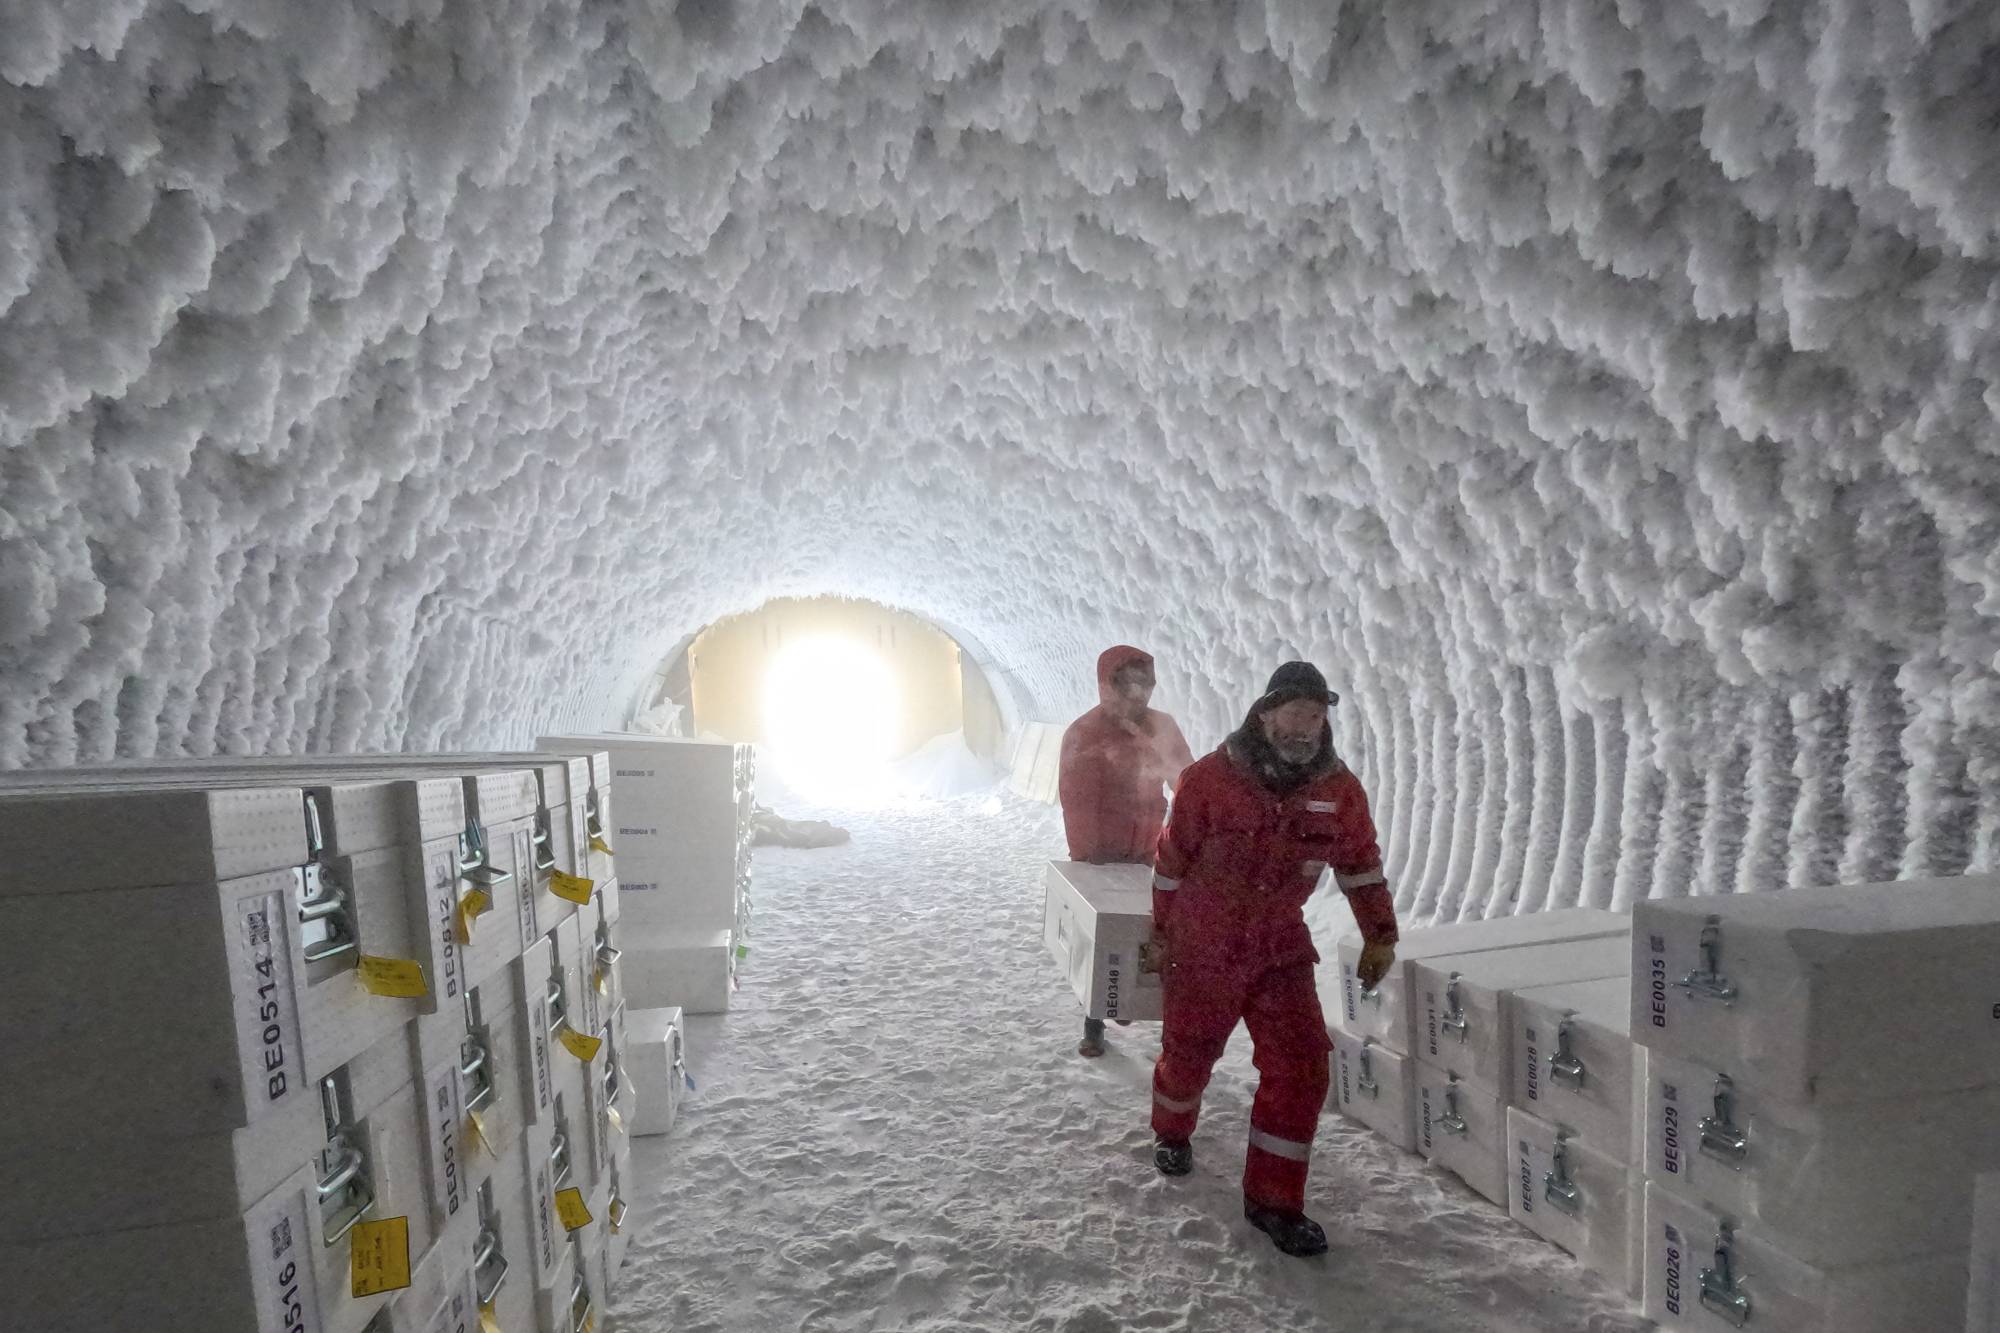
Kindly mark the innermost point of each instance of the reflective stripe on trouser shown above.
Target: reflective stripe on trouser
(1288, 1033)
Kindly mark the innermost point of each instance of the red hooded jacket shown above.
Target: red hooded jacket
(1239, 861)
(1113, 769)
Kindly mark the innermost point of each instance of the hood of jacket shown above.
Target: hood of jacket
(1109, 663)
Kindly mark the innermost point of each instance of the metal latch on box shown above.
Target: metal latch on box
(593, 821)
(1557, 1186)
(544, 840)
(475, 1058)
(1720, 1294)
(1366, 1082)
(475, 862)
(559, 1164)
(1454, 1012)
(1721, 1137)
(345, 1191)
(323, 909)
(579, 1303)
(1707, 982)
(1451, 1122)
(489, 1265)
(608, 953)
(613, 1078)
(557, 996)
(1564, 1067)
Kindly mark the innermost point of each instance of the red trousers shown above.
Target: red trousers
(1289, 1047)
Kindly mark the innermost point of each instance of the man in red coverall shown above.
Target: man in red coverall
(1115, 759)
(1254, 826)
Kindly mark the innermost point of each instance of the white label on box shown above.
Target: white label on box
(543, 1091)
(460, 1311)
(1673, 1261)
(1534, 1166)
(1666, 1153)
(524, 860)
(267, 1038)
(1656, 982)
(441, 897)
(545, 1220)
(282, 1270)
(444, 1106)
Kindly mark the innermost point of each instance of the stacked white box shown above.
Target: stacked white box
(657, 1064)
(1460, 1005)
(1574, 1195)
(1375, 1086)
(681, 839)
(1380, 1019)
(1095, 918)
(243, 1094)
(1575, 1063)
(1823, 1084)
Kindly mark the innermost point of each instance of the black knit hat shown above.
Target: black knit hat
(1295, 680)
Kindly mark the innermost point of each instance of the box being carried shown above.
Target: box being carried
(1094, 919)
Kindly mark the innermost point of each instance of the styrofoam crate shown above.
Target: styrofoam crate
(209, 1028)
(1375, 1086)
(252, 1273)
(1703, 1272)
(92, 1179)
(656, 1064)
(1460, 1000)
(1385, 1012)
(1982, 1313)
(1463, 1130)
(442, 1296)
(534, 982)
(1573, 1196)
(1792, 984)
(694, 972)
(546, 1242)
(1095, 918)
(563, 1302)
(1575, 1063)
(1856, 1184)
(90, 840)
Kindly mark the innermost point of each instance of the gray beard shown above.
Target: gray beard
(1296, 752)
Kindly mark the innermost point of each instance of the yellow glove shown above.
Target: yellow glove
(1374, 964)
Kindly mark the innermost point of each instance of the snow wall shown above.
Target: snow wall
(1603, 391)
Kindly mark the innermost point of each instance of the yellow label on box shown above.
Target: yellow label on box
(398, 978)
(598, 844)
(488, 1321)
(590, 1322)
(582, 1047)
(470, 908)
(574, 888)
(571, 1208)
(476, 1124)
(603, 980)
(381, 1256)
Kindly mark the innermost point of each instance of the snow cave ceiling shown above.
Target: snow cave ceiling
(1603, 391)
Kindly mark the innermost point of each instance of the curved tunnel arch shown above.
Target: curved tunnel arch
(1616, 433)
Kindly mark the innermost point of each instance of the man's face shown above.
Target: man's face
(1294, 729)
(1133, 685)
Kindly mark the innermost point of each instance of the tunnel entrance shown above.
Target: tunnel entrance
(835, 692)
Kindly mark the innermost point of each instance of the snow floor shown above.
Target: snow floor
(891, 1130)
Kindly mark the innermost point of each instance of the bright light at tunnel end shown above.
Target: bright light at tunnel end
(831, 717)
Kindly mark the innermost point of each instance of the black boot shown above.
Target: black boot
(1174, 1157)
(1294, 1233)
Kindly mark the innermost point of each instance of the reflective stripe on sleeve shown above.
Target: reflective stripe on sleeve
(1165, 885)
(1360, 881)
(1277, 1147)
